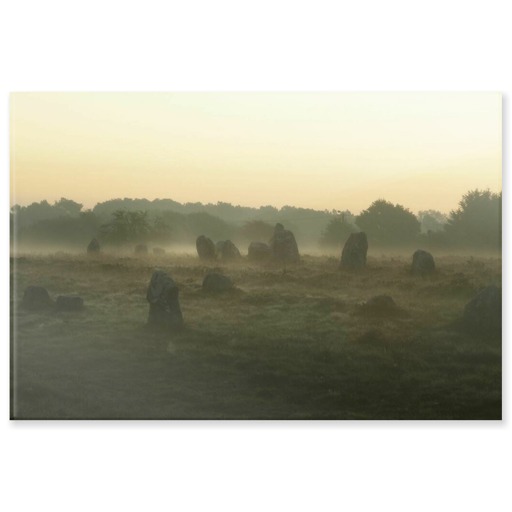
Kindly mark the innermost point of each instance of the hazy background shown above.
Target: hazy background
(313, 150)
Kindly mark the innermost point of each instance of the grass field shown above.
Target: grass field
(290, 343)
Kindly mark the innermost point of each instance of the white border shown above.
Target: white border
(278, 45)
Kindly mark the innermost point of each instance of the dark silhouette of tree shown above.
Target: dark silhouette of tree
(255, 231)
(388, 224)
(126, 227)
(210, 226)
(477, 221)
(338, 230)
(432, 220)
(68, 207)
(161, 230)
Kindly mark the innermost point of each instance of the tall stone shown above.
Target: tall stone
(482, 314)
(36, 298)
(422, 263)
(164, 306)
(283, 245)
(229, 251)
(354, 251)
(205, 248)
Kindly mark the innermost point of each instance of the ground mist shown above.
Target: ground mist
(287, 343)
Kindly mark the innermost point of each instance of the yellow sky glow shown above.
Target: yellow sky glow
(314, 150)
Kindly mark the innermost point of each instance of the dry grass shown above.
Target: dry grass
(286, 343)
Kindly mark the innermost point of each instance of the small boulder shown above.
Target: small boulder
(283, 245)
(69, 303)
(482, 314)
(380, 305)
(36, 298)
(259, 251)
(354, 251)
(164, 306)
(158, 251)
(205, 248)
(141, 249)
(422, 263)
(93, 247)
(217, 283)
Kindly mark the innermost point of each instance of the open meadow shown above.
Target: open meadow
(285, 343)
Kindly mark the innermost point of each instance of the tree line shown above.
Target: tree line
(474, 224)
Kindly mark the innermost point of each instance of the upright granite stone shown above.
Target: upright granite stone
(259, 251)
(422, 263)
(354, 251)
(36, 298)
(482, 314)
(164, 306)
(205, 248)
(217, 283)
(283, 246)
(93, 247)
(229, 251)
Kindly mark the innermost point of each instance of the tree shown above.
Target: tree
(337, 230)
(388, 224)
(477, 221)
(127, 227)
(256, 231)
(68, 207)
(432, 220)
(161, 230)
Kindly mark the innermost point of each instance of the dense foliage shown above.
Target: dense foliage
(476, 223)
(387, 224)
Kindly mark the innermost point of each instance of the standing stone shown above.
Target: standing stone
(141, 249)
(354, 251)
(283, 245)
(205, 248)
(217, 283)
(36, 298)
(259, 251)
(482, 314)
(93, 247)
(422, 263)
(164, 306)
(229, 251)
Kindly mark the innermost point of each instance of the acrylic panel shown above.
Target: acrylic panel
(256, 256)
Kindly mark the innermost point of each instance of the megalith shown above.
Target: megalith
(354, 251)
(205, 248)
(283, 245)
(422, 263)
(482, 314)
(164, 306)
(229, 251)
(36, 298)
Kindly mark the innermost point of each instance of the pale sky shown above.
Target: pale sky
(313, 150)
